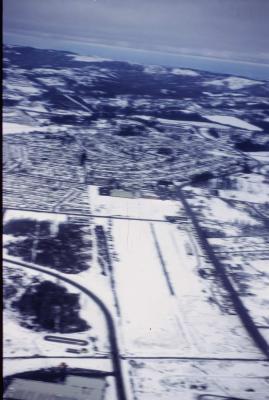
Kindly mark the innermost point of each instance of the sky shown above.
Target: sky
(235, 30)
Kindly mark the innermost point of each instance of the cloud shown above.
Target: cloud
(220, 28)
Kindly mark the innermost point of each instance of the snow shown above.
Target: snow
(121, 102)
(34, 215)
(232, 121)
(254, 275)
(55, 81)
(240, 244)
(14, 128)
(194, 379)
(37, 107)
(217, 215)
(131, 207)
(145, 117)
(252, 188)
(222, 212)
(262, 156)
(21, 365)
(174, 328)
(88, 58)
(155, 69)
(186, 72)
(20, 341)
(234, 82)
(102, 123)
(28, 89)
(147, 329)
(182, 122)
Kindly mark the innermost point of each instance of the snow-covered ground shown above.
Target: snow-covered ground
(149, 322)
(76, 57)
(217, 214)
(187, 72)
(23, 87)
(20, 341)
(252, 188)
(234, 82)
(156, 322)
(131, 207)
(32, 364)
(188, 123)
(203, 380)
(232, 121)
(154, 69)
(34, 215)
(262, 156)
(250, 276)
(9, 128)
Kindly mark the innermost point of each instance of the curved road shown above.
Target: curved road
(114, 348)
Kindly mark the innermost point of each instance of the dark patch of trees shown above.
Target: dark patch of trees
(246, 168)
(249, 146)
(83, 158)
(64, 119)
(19, 227)
(165, 151)
(213, 132)
(130, 131)
(164, 182)
(49, 306)
(10, 102)
(26, 227)
(202, 177)
(65, 251)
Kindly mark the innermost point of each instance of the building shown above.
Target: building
(122, 193)
(104, 191)
(73, 388)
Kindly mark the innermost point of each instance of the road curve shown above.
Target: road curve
(114, 348)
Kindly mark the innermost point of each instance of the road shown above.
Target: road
(87, 215)
(114, 348)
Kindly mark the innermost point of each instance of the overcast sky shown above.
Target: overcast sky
(229, 29)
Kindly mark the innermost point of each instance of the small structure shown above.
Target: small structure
(122, 193)
(104, 191)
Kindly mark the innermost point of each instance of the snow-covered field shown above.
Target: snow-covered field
(9, 128)
(149, 322)
(156, 321)
(32, 364)
(186, 72)
(232, 121)
(252, 188)
(188, 123)
(234, 82)
(131, 207)
(250, 276)
(34, 215)
(217, 215)
(203, 380)
(76, 57)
